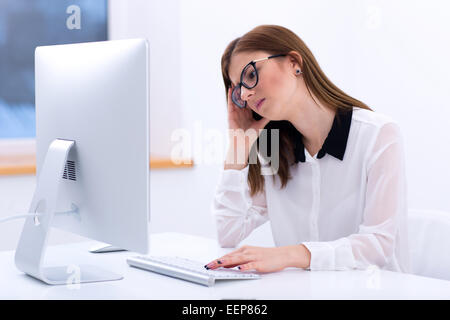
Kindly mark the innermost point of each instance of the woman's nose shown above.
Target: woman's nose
(246, 93)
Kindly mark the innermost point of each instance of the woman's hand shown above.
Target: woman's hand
(242, 118)
(264, 259)
(241, 141)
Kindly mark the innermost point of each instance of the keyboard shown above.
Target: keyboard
(186, 269)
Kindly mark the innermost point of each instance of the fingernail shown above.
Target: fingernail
(219, 262)
(239, 268)
(206, 267)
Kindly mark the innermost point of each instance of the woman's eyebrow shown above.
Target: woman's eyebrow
(237, 81)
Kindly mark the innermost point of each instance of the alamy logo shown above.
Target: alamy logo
(209, 147)
(74, 278)
(373, 277)
(74, 20)
(374, 17)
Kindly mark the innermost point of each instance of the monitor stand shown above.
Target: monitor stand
(103, 248)
(33, 240)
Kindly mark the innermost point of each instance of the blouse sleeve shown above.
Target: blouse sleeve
(384, 216)
(236, 213)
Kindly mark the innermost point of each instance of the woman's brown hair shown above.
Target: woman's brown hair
(279, 40)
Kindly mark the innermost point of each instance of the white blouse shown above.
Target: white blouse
(349, 211)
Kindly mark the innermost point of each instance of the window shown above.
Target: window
(24, 25)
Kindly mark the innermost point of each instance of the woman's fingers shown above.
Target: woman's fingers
(218, 262)
(254, 265)
(231, 260)
(243, 118)
(229, 101)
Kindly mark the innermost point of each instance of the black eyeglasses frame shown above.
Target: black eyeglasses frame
(241, 83)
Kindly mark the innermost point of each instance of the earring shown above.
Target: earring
(298, 71)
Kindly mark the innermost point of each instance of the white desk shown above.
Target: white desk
(140, 284)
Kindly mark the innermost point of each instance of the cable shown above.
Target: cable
(34, 215)
(20, 216)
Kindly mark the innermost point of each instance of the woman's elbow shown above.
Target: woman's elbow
(227, 233)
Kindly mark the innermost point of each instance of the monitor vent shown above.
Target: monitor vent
(69, 171)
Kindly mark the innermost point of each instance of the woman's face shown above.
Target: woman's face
(277, 83)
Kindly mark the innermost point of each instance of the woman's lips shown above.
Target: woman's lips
(259, 103)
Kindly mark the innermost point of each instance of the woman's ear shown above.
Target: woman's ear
(295, 60)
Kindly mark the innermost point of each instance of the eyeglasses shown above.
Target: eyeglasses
(249, 79)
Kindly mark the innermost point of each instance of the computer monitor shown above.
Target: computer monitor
(92, 152)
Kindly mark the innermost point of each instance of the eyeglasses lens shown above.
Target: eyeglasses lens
(249, 76)
(236, 97)
(249, 80)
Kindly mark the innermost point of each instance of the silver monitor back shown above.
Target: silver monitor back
(96, 94)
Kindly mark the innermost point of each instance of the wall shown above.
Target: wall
(159, 23)
(393, 55)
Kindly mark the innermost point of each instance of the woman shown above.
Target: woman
(338, 199)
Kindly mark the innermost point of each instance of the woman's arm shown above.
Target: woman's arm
(236, 213)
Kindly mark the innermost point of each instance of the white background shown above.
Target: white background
(392, 55)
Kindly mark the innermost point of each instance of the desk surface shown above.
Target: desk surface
(140, 284)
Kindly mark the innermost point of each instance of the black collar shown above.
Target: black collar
(336, 141)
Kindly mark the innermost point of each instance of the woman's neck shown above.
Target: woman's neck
(313, 120)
